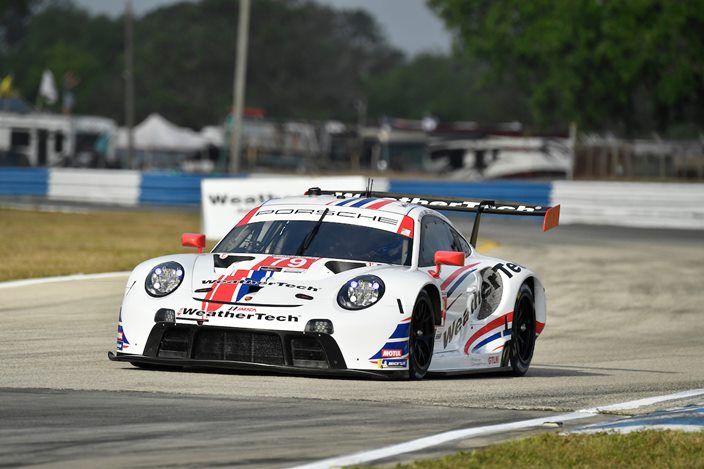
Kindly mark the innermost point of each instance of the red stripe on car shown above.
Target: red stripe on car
(455, 274)
(539, 326)
(378, 205)
(406, 228)
(247, 217)
(496, 323)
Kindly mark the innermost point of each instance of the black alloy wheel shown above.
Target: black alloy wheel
(522, 332)
(421, 337)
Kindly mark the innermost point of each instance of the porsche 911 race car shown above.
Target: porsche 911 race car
(338, 282)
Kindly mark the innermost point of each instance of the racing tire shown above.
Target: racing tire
(421, 337)
(522, 332)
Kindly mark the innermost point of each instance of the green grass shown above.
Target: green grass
(648, 449)
(43, 244)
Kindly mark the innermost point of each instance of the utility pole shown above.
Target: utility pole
(129, 83)
(361, 106)
(239, 86)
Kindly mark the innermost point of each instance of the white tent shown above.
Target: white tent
(156, 133)
(214, 135)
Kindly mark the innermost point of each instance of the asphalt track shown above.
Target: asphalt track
(624, 323)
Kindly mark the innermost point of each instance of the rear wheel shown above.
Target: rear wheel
(522, 332)
(421, 337)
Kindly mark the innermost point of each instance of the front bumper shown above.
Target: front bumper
(192, 346)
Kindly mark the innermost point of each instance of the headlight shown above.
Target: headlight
(361, 292)
(164, 278)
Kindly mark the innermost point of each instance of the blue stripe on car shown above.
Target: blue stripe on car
(458, 282)
(361, 202)
(491, 338)
(346, 201)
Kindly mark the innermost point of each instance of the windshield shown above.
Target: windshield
(336, 240)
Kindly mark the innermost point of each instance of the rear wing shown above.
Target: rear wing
(550, 215)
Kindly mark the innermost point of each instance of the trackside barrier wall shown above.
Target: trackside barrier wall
(646, 205)
(661, 205)
(24, 182)
(534, 193)
(94, 185)
(170, 189)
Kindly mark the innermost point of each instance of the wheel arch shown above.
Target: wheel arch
(538, 290)
(436, 300)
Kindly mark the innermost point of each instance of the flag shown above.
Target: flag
(47, 88)
(6, 86)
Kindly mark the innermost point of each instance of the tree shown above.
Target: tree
(449, 88)
(626, 65)
(13, 21)
(65, 39)
(306, 60)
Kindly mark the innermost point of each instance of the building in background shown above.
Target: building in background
(42, 139)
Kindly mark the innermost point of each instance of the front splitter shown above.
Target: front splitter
(187, 363)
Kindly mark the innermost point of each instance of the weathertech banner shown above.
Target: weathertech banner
(225, 201)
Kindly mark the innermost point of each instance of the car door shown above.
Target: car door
(438, 235)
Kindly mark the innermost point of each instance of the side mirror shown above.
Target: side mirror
(193, 240)
(447, 258)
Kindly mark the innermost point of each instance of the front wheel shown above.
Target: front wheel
(522, 332)
(421, 337)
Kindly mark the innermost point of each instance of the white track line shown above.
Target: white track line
(441, 438)
(64, 278)
(648, 401)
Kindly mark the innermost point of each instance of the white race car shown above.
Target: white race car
(338, 282)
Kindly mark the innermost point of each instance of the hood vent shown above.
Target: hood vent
(225, 262)
(343, 266)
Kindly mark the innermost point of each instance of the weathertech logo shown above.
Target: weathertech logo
(225, 199)
(204, 315)
(435, 202)
(256, 283)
